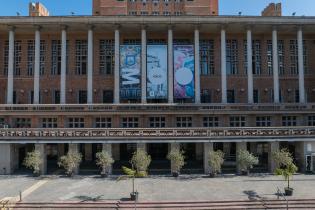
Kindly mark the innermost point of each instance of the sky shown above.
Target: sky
(226, 7)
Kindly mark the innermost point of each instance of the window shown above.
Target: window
(178, 13)
(311, 120)
(207, 57)
(49, 122)
(132, 41)
(256, 96)
(157, 122)
(76, 122)
(144, 13)
(230, 96)
(263, 121)
(56, 96)
(211, 122)
(103, 122)
(183, 122)
(297, 96)
(280, 57)
(256, 56)
(289, 121)
(31, 57)
(130, 122)
(294, 57)
(82, 97)
(81, 57)
(166, 13)
(22, 122)
(107, 60)
(231, 57)
(55, 57)
(108, 96)
(17, 57)
(205, 96)
(237, 121)
(132, 12)
(155, 13)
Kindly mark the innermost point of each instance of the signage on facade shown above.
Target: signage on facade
(184, 71)
(157, 72)
(130, 68)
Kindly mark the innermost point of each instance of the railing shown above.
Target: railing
(157, 133)
(153, 107)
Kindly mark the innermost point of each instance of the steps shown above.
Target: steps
(189, 205)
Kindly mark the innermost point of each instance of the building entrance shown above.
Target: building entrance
(159, 163)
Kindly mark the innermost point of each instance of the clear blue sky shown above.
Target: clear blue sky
(227, 7)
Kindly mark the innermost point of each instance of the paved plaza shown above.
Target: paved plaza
(156, 188)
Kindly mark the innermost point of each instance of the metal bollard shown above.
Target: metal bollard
(20, 196)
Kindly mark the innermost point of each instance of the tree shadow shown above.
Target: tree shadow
(252, 195)
(85, 198)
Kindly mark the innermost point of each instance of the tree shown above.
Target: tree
(282, 158)
(287, 172)
(104, 161)
(245, 160)
(70, 162)
(140, 161)
(130, 174)
(33, 161)
(177, 159)
(216, 159)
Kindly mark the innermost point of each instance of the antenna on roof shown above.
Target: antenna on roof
(293, 14)
(72, 13)
(239, 13)
(18, 14)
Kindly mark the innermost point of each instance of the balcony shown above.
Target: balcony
(18, 108)
(133, 135)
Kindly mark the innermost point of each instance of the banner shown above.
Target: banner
(156, 72)
(130, 65)
(184, 71)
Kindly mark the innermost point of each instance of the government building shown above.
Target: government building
(157, 74)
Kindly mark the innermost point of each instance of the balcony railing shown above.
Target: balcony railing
(157, 133)
(154, 107)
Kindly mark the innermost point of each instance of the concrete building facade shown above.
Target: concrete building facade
(253, 88)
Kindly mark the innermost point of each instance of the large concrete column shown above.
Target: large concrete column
(74, 148)
(41, 148)
(250, 85)
(37, 66)
(88, 152)
(197, 67)
(207, 149)
(301, 65)
(10, 67)
(275, 66)
(116, 71)
(174, 146)
(240, 146)
(274, 147)
(170, 66)
(142, 146)
(223, 67)
(90, 67)
(143, 65)
(63, 66)
(6, 158)
(108, 148)
(116, 151)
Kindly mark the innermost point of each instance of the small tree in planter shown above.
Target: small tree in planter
(104, 161)
(141, 161)
(245, 161)
(130, 174)
(70, 162)
(33, 161)
(216, 159)
(285, 167)
(177, 159)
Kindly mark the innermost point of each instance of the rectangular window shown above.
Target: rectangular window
(31, 57)
(205, 96)
(56, 97)
(55, 57)
(157, 122)
(130, 122)
(231, 96)
(17, 57)
(289, 121)
(297, 96)
(49, 123)
(107, 59)
(256, 56)
(183, 122)
(108, 96)
(231, 57)
(103, 122)
(280, 57)
(311, 120)
(237, 121)
(22, 122)
(82, 98)
(81, 57)
(256, 96)
(76, 122)
(210, 122)
(294, 68)
(207, 57)
(263, 121)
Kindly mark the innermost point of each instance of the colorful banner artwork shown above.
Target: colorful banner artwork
(130, 65)
(156, 72)
(184, 71)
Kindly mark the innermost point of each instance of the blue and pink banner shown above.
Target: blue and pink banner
(184, 71)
